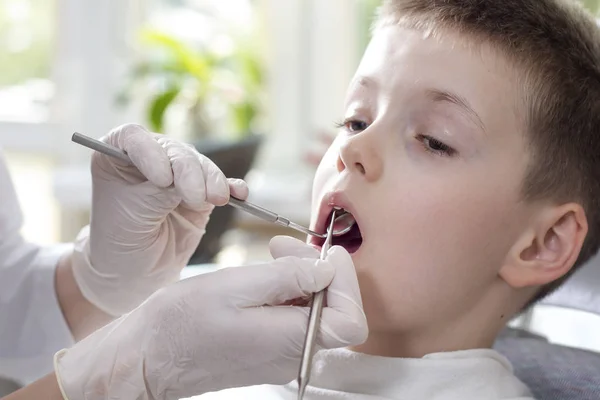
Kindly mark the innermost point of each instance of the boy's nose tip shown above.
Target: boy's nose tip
(361, 154)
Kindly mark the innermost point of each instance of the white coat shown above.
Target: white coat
(32, 327)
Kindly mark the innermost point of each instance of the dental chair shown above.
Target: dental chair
(555, 372)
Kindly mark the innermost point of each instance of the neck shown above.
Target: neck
(476, 328)
(419, 344)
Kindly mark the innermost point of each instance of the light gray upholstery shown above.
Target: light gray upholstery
(552, 372)
(556, 372)
(7, 387)
(581, 291)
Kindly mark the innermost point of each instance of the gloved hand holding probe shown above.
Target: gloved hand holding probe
(219, 330)
(148, 217)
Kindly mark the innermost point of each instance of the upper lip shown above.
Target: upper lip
(328, 202)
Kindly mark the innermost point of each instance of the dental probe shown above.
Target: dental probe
(314, 321)
(246, 206)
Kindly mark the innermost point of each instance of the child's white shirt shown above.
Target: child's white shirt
(480, 374)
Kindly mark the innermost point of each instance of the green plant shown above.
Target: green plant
(592, 5)
(367, 9)
(176, 71)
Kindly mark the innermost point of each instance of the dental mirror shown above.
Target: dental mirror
(343, 224)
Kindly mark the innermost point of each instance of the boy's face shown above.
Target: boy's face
(430, 162)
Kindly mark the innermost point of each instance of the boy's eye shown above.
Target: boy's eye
(435, 146)
(353, 125)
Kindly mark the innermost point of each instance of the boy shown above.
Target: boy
(469, 159)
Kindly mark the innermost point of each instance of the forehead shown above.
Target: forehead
(401, 63)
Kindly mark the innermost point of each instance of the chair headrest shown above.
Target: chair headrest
(581, 291)
(552, 372)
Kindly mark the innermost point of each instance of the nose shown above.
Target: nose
(360, 154)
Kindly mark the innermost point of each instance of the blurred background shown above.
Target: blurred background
(255, 84)
(252, 83)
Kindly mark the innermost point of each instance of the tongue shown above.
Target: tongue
(351, 241)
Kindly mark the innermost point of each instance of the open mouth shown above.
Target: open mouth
(351, 240)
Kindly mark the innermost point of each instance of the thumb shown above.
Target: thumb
(343, 321)
(281, 280)
(284, 246)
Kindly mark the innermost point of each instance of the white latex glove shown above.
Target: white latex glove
(147, 218)
(217, 331)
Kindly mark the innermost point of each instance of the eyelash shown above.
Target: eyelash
(429, 143)
(435, 146)
(348, 122)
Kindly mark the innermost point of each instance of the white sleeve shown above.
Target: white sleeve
(32, 327)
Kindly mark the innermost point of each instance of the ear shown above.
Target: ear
(547, 250)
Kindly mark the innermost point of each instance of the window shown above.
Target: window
(27, 41)
(27, 38)
(59, 64)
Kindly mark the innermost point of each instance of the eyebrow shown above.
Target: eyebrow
(438, 95)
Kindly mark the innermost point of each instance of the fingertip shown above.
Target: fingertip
(283, 246)
(278, 240)
(311, 275)
(284, 240)
(341, 330)
(324, 273)
(289, 278)
(339, 253)
(238, 188)
(346, 271)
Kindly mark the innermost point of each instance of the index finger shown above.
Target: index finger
(145, 153)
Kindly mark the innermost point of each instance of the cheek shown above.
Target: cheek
(435, 248)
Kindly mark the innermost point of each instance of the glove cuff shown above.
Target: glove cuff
(57, 357)
(105, 291)
(108, 364)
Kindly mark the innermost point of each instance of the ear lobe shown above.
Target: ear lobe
(549, 251)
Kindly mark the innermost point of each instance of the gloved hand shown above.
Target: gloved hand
(217, 331)
(147, 218)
